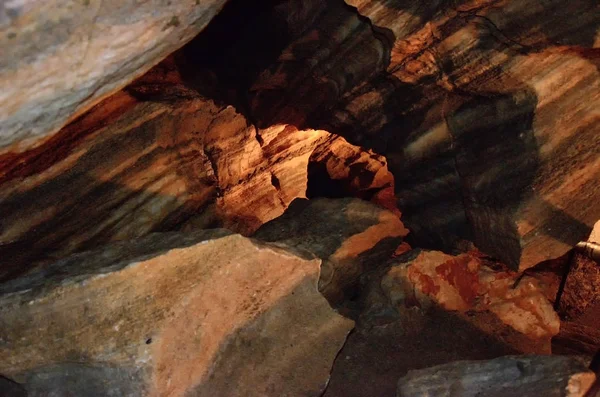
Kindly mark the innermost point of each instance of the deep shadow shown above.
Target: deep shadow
(497, 160)
(8, 388)
(373, 360)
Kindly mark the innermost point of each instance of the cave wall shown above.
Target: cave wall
(160, 157)
(486, 112)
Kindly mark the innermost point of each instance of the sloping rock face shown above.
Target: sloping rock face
(62, 57)
(527, 376)
(351, 236)
(203, 313)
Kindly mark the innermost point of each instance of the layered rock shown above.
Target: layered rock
(340, 169)
(160, 156)
(465, 285)
(351, 236)
(463, 99)
(204, 313)
(506, 376)
(62, 57)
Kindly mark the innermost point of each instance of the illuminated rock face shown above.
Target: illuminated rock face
(171, 314)
(321, 129)
(487, 138)
(465, 285)
(469, 102)
(154, 159)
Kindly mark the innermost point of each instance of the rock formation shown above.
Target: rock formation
(465, 285)
(62, 57)
(205, 197)
(349, 235)
(462, 99)
(169, 314)
(506, 376)
(145, 161)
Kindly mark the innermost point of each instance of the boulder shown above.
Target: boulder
(524, 376)
(206, 313)
(350, 235)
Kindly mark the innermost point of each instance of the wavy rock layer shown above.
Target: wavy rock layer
(161, 157)
(485, 110)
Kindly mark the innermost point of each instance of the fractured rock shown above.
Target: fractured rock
(484, 296)
(467, 101)
(526, 376)
(350, 235)
(205, 313)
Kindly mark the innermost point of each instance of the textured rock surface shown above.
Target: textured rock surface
(61, 57)
(205, 313)
(385, 347)
(468, 102)
(462, 283)
(160, 157)
(526, 376)
(487, 138)
(582, 286)
(350, 235)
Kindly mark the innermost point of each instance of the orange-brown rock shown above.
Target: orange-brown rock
(131, 167)
(467, 101)
(350, 235)
(207, 314)
(59, 58)
(463, 284)
(160, 156)
(340, 169)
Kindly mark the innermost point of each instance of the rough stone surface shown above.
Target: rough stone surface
(463, 284)
(386, 345)
(159, 156)
(203, 313)
(582, 286)
(526, 376)
(62, 57)
(350, 235)
(468, 101)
